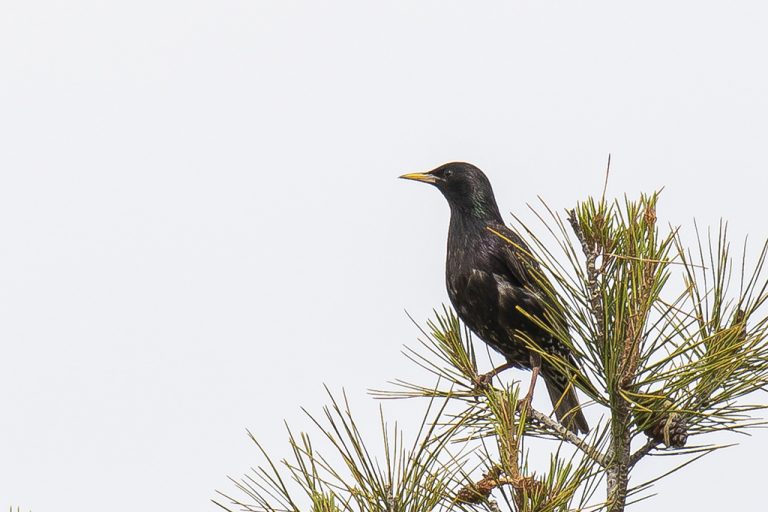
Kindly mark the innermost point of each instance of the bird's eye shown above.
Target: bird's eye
(447, 173)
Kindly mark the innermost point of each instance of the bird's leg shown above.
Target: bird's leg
(535, 370)
(486, 378)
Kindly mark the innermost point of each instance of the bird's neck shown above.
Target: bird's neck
(476, 213)
(467, 224)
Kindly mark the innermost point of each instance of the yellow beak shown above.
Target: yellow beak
(420, 176)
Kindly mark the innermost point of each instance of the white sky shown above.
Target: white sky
(199, 210)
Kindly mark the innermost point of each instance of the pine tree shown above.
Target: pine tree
(674, 341)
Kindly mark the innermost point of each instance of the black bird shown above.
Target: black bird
(491, 282)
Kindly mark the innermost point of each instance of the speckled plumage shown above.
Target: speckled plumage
(489, 280)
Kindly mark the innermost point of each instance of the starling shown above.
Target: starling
(491, 285)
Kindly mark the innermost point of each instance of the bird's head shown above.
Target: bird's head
(466, 188)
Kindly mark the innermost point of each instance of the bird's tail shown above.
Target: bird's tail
(566, 403)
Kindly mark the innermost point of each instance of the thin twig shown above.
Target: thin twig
(607, 175)
(566, 435)
(642, 452)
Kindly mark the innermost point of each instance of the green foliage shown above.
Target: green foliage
(412, 477)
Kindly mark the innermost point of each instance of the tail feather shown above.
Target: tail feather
(566, 404)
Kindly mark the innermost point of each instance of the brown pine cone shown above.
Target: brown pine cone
(671, 429)
(478, 492)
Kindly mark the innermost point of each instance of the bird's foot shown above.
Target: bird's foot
(525, 403)
(483, 382)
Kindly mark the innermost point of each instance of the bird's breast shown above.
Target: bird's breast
(475, 296)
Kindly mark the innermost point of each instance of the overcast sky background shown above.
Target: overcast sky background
(200, 221)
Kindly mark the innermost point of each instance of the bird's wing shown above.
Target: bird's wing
(514, 256)
(532, 292)
(526, 290)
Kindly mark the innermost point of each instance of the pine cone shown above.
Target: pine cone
(474, 493)
(671, 429)
(660, 423)
(478, 492)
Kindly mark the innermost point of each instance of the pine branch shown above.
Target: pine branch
(591, 251)
(671, 368)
